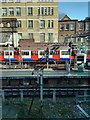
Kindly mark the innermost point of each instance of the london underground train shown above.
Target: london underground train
(36, 55)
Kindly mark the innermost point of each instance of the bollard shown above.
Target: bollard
(54, 95)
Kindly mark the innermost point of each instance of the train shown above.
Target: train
(36, 55)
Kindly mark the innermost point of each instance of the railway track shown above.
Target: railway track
(47, 91)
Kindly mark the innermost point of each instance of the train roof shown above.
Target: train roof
(30, 45)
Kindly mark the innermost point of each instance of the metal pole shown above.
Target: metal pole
(21, 95)
(85, 94)
(41, 88)
(54, 95)
(3, 96)
(9, 51)
(47, 63)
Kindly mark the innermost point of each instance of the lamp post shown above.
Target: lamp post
(40, 75)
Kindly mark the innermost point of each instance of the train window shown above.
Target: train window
(8, 53)
(25, 53)
(80, 58)
(65, 53)
(88, 52)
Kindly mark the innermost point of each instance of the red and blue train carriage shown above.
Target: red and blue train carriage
(35, 55)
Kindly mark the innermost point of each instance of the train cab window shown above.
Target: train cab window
(65, 53)
(42, 53)
(7, 53)
(16, 52)
(56, 52)
(34, 52)
(1, 53)
(25, 53)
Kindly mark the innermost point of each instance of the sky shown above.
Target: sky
(75, 10)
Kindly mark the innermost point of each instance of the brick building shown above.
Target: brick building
(68, 27)
(36, 19)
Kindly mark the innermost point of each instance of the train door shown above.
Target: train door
(26, 55)
(1, 55)
(17, 55)
(56, 55)
(64, 55)
(34, 54)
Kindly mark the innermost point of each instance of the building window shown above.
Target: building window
(50, 0)
(45, 11)
(48, 10)
(52, 10)
(30, 35)
(38, 10)
(10, 0)
(17, 0)
(50, 24)
(42, 37)
(18, 11)
(3, 0)
(42, 10)
(11, 11)
(62, 27)
(50, 37)
(72, 27)
(67, 26)
(42, 23)
(81, 26)
(30, 23)
(30, 11)
(87, 26)
(41, 0)
(4, 11)
(20, 35)
(29, 0)
(19, 24)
